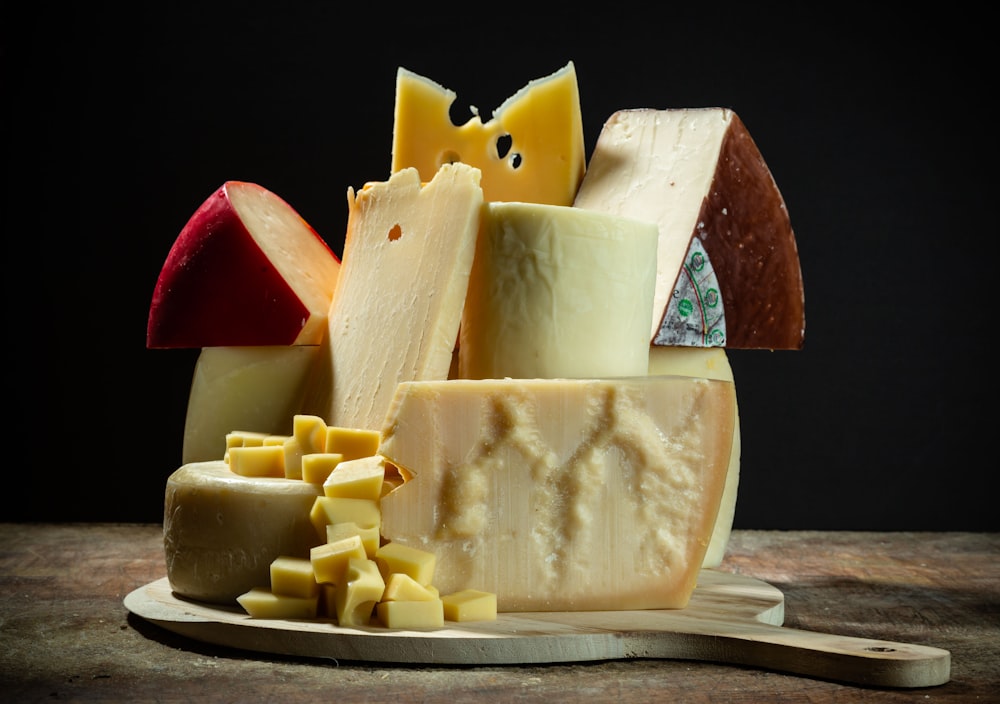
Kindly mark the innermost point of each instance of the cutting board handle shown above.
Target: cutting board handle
(863, 661)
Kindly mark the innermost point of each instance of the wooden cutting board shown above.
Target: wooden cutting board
(730, 619)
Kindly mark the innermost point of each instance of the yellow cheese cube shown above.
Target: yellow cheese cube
(355, 597)
(316, 467)
(403, 587)
(335, 509)
(245, 438)
(310, 431)
(293, 458)
(293, 576)
(411, 614)
(330, 560)
(352, 443)
(257, 461)
(369, 536)
(274, 440)
(470, 605)
(396, 557)
(262, 603)
(359, 478)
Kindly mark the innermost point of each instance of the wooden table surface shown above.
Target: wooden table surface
(65, 633)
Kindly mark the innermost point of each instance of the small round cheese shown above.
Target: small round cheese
(221, 531)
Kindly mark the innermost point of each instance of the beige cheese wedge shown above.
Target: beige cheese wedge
(723, 223)
(557, 291)
(561, 495)
(398, 304)
(710, 363)
(222, 531)
(243, 388)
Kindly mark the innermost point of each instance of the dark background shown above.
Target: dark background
(876, 127)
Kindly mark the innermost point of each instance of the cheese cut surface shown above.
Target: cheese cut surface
(561, 495)
(257, 389)
(405, 272)
(710, 363)
(532, 149)
(557, 291)
(222, 531)
(697, 173)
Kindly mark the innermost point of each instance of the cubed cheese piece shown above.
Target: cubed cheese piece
(410, 614)
(310, 431)
(222, 531)
(330, 560)
(317, 467)
(403, 587)
(357, 479)
(416, 563)
(352, 443)
(532, 148)
(365, 513)
(355, 597)
(257, 389)
(262, 461)
(711, 363)
(700, 177)
(370, 537)
(561, 495)
(470, 605)
(558, 292)
(407, 256)
(260, 602)
(293, 576)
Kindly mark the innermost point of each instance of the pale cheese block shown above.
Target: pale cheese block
(698, 174)
(561, 495)
(222, 531)
(398, 303)
(257, 389)
(531, 149)
(557, 291)
(711, 363)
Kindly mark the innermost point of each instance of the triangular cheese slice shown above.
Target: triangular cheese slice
(398, 304)
(697, 173)
(531, 150)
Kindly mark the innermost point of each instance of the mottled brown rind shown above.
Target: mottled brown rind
(746, 230)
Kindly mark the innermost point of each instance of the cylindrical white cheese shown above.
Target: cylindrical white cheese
(556, 292)
(221, 531)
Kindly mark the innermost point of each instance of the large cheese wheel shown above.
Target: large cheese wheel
(221, 531)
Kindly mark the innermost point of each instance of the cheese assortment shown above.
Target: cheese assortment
(518, 396)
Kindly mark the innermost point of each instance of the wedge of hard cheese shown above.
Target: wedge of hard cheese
(561, 495)
(727, 268)
(532, 148)
(221, 531)
(396, 311)
(243, 388)
(557, 291)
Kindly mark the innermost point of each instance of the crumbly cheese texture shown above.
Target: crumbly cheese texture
(222, 531)
(256, 389)
(697, 173)
(557, 291)
(561, 495)
(404, 276)
(532, 149)
(710, 363)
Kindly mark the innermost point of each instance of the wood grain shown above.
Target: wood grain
(65, 633)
